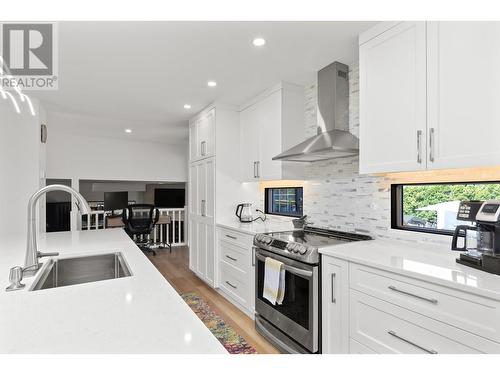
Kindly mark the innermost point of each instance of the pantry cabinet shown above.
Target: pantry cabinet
(428, 96)
(213, 174)
(271, 123)
(202, 219)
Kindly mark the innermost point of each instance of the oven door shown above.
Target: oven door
(298, 315)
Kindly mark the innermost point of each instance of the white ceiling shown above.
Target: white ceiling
(142, 73)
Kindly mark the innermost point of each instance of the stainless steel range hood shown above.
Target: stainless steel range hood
(334, 139)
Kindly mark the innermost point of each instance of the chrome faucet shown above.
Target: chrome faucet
(31, 264)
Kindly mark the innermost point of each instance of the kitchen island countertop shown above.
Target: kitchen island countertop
(137, 314)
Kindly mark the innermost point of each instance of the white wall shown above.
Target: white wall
(21, 155)
(77, 156)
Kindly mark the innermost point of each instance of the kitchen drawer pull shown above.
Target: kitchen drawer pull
(227, 256)
(334, 299)
(431, 300)
(231, 285)
(394, 334)
(231, 237)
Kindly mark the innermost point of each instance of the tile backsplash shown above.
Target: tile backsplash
(337, 196)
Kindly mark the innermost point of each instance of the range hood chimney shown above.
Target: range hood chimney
(334, 139)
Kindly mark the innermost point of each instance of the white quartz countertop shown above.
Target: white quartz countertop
(258, 226)
(138, 314)
(431, 263)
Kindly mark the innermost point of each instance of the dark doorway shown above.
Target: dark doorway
(58, 208)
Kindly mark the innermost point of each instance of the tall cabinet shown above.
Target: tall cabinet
(212, 176)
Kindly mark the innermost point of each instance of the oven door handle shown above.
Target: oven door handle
(293, 270)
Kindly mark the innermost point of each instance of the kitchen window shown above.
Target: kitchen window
(433, 207)
(284, 201)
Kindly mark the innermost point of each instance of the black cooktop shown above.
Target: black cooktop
(318, 237)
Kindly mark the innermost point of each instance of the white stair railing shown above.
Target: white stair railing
(174, 233)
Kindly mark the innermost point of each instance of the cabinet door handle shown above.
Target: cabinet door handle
(431, 300)
(231, 237)
(253, 256)
(431, 144)
(394, 334)
(333, 283)
(254, 169)
(231, 285)
(203, 148)
(258, 169)
(419, 146)
(229, 257)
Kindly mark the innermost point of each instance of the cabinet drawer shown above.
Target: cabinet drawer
(388, 328)
(236, 255)
(242, 239)
(236, 283)
(469, 312)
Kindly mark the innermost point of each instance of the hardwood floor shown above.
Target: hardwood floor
(175, 268)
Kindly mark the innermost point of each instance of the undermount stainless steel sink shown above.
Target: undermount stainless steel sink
(80, 270)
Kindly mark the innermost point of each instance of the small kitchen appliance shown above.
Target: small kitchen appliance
(295, 325)
(244, 212)
(482, 241)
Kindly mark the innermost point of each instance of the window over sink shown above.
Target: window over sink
(432, 207)
(284, 201)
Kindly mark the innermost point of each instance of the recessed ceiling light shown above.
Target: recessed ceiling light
(211, 83)
(187, 106)
(128, 131)
(259, 42)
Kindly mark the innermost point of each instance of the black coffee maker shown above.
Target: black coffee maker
(481, 242)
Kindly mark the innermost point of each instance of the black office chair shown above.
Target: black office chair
(139, 220)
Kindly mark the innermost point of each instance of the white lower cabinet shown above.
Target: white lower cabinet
(368, 310)
(236, 268)
(335, 309)
(387, 328)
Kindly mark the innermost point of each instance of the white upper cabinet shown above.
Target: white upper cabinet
(463, 89)
(428, 96)
(270, 124)
(249, 143)
(202, 136)
(393, 100)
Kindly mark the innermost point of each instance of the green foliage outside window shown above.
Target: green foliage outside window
(419, 196)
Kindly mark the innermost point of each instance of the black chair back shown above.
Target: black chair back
(140, 218)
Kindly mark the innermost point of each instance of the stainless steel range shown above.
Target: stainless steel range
(294, 326)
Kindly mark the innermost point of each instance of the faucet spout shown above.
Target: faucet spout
(31, 264)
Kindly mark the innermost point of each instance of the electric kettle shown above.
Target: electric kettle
(244, 212)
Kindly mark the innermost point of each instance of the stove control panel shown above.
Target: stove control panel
(279, 244)
(292, 247)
